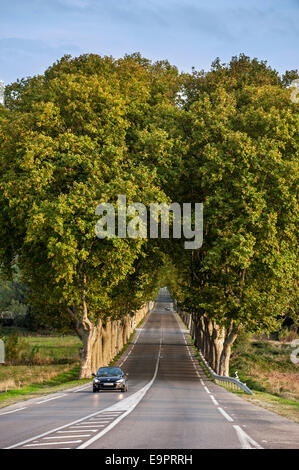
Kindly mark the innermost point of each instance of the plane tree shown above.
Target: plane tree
(241, 161)
(68, 141)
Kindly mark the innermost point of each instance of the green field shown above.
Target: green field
(37, 363)
(41, 365)
(265, 366)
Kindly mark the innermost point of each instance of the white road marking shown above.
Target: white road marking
(49, 399)
(55, 430)
(87, 427)
(78, 430)
(97, 421)
(133, 344)
(66, 437)
(109, 415)
(224, 413)
(86, 430)
(52, 443)
(90, 426)
(206, 389)
(13, 411)
(245, 440)
(119, 410)
(214, 400)
(129, 403)
(84, 387)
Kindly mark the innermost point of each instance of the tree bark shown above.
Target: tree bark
(90, 335)
(218, 340)
(231, 335)
(90, 357)
(100, 343)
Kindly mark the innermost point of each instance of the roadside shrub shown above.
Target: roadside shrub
(242, 343)
(14, 347)
(287, 335)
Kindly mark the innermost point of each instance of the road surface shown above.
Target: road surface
(170, 405)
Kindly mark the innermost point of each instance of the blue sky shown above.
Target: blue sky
(35, 33)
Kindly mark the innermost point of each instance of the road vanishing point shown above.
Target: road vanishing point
(170, 404)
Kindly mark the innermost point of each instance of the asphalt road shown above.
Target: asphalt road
(170, 405)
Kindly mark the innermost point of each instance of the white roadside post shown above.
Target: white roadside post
(2, 89)
(2, 352)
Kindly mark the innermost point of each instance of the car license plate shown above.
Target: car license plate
(111, 385)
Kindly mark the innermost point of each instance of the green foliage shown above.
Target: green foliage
(91, 128)
(40, 350)
(288, 334)
(14, 346)
(83, 133)
(242, 343)
(241, 160)
(13, 302)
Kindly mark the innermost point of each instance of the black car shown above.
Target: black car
(109, 378)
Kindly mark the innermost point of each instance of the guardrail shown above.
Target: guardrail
(228, 382)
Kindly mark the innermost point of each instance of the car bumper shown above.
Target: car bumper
(103, 386)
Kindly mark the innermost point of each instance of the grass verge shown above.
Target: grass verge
(287, 408)
(61, 381)
(265, 367)
(52, 377)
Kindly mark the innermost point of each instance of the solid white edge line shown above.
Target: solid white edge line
(83, 387)
(132, 407)
(49, 399)
(13, 411)
(18, 444)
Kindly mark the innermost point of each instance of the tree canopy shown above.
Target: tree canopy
(91, 128)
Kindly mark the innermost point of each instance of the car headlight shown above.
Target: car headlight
(96, 381)
(120, 381)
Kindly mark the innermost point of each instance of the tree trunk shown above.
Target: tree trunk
(218, 340)
(211, 352)
(106, 344)
(91, 339)
(90, 335)
(100, 343)
(231, 335)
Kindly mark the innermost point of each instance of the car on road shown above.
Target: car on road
(110, 378)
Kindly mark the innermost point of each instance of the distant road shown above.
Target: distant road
(170, 404)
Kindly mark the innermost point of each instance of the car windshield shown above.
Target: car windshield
(109, 372)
